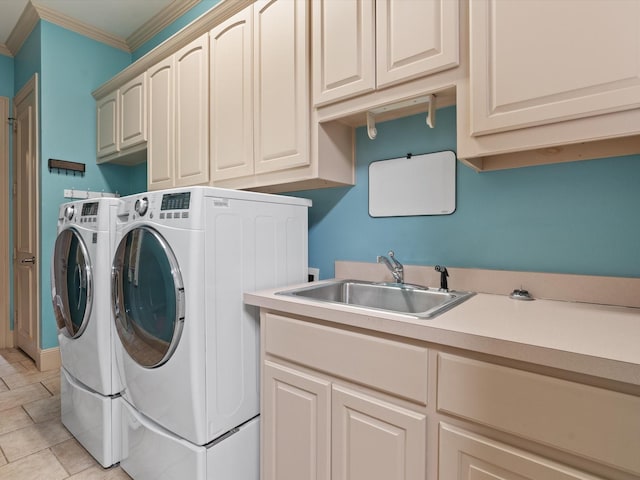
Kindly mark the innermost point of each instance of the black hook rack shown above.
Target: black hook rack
(66, 166)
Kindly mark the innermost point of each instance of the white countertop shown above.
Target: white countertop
(598, 340)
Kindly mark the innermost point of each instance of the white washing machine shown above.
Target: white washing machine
(188, 350)
(81, 295)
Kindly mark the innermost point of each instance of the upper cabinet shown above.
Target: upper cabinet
(231, 90)
(360, 45)
(133, 118)
(178, 118)
(548, 74)
(259, 90)
(281, 84)
(263, 133)
(107, 124)
(122, 122)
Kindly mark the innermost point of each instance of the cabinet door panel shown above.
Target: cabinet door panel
(160, 148)
(281, 85)
(375, 440)
(296, 425)
(343, 49)
(415, 38)
(107, 118)
(133, 112)
(192, 113)
(532, 63)
(467, 456)
(231, 75)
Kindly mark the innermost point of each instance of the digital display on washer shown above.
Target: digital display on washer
(90, 208)
(176, 201)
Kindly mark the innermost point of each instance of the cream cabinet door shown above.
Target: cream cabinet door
(231, 90)
(296, 425)
(107, 125)
(160, 147)
(467, 456)
(281, 88)
(534, 63)
(133, 112)
(415, 38)
(192, 113)
(376, 440)
(343, 49)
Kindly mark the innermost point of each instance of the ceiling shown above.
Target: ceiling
(117, 18)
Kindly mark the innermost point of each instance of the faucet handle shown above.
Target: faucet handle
(392, 256)
(443, 277)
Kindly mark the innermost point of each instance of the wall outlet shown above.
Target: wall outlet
(314, 274)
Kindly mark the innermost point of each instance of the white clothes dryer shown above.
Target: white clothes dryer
(80, 290)
(188, 349)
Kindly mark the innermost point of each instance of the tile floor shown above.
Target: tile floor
(34, 445)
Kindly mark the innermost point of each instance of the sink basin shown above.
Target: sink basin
(421, 302)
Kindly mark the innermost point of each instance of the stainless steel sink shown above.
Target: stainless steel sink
(406, 299)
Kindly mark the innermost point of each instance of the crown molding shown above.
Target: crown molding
(33, 13)
(64, 21)
(159, 21)
(26, 23)
(200, 26)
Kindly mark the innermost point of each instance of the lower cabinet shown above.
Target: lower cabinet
(375, 440)
(296, 426)
(466, 456)
(315, 428)
(342, 403)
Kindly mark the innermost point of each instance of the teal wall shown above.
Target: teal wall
(6, 76)
(199, 9)
(578, 217)
(72, 67)
(69, 66)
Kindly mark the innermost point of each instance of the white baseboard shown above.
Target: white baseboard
(49, 359)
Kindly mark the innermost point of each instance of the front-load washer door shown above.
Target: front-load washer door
(71, 283)
(148, 297)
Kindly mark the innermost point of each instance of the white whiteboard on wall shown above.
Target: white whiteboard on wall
(413, 185)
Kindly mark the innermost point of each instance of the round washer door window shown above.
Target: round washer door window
(71, 283)
(148, 297)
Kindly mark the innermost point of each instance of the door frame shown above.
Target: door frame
(30, 88)
(6, 334)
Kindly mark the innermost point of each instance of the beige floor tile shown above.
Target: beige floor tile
(28, 365)
(12, 355)
(43, 410)
(99, 473)
(29, 393)
(17, 380)
(3, 460)
(13, 419)
(39, 466)
(3, 386)
(28, 440)
(52, 384)
(73, 457)
(11, 368)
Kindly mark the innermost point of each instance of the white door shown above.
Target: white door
(26, 212)
(5, 338)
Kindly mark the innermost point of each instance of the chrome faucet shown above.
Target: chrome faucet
(396, 268)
